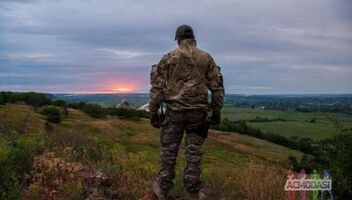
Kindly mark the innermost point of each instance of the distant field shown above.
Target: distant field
(296, 124)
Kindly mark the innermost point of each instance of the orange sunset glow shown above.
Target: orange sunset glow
(123, 89)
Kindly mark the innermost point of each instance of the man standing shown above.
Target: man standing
(181, 80)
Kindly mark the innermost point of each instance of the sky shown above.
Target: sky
(98, 46)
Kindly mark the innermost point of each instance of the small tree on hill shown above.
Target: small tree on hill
(52, 114)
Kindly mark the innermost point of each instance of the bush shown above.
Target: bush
(60, 103)
(15, 162)
(313, 120)
(337, 152)
(52, 114)
(94, 110)
(4, 97)
(334, 154)
(2, 100)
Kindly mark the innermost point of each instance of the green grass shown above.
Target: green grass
(129, 150)
(296, 124)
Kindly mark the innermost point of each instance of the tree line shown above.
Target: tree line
(54, 109)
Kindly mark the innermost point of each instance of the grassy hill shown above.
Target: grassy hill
(57, 159)
(312, 125)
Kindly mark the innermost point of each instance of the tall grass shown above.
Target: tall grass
(80, 148)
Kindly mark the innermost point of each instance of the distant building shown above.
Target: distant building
(124, 104)
(259, 107)
(145, 107)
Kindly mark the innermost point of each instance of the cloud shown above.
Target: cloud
(126, 54)
(260, 88)
(262, 46)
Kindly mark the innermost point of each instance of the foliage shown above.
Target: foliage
(128, 113)
(303, 144)
(313, 120)
(106, 145)
(53, 178)
(52, 114)
(30, 98)
(98, 111)
(265, 119)
(15, 162)
(60, 103)
(300, 103)
(2, 100)
(334, 154)
(337, 153)
(94, 110)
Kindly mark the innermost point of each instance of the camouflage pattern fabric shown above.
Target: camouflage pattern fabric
(182, 80)
(173, 128)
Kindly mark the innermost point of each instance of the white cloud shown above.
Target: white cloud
(126, 54)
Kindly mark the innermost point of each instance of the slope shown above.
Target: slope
(127, 152)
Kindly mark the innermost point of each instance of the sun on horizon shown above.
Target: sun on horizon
(123, 89)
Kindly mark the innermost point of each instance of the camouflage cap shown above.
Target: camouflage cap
(184, 31)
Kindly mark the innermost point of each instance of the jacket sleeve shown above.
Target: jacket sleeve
(215, 85)
(158, 83)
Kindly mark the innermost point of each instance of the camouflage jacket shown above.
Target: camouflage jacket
(182, 80)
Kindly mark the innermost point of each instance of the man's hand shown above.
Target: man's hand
(215, 117)
(154, 119)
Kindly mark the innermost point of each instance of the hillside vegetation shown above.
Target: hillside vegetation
(290, 123)
(42, 160)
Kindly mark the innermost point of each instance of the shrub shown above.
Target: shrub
(15, 162)
(337, 152)
(60, 103)
(128, 113)
(52, 114)
(334, 154)
(94, 110)
(2, 100)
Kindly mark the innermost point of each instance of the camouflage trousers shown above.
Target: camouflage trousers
(172, 131)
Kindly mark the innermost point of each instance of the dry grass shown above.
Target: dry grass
(264, 182)
(235, 166)
(252, 182)
(54, 178)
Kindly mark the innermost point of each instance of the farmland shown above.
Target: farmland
(290, 123)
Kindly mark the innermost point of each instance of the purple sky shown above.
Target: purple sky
(262, 46)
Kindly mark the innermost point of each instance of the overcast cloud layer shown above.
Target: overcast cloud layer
(262, 46)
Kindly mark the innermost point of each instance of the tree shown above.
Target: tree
(337, 152)
(2, 100)
(52, 114)
(94, 110)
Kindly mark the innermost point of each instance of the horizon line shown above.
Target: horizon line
(114, 92)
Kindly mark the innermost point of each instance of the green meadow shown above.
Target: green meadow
(290, 123)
